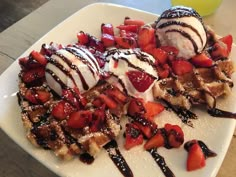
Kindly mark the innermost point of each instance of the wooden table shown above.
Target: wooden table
(17, 38)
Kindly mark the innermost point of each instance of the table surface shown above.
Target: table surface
(15, 162)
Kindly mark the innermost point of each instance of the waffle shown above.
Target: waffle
(43, 130)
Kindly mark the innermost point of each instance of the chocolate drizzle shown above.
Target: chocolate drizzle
(215, 112)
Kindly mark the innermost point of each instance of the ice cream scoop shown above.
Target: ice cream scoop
(182, 27)
(133, 71)
(72, 67)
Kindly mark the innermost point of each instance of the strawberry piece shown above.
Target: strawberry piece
(202, 60)
(38, 57)
(129, 28)
(146, 35)
(97, 102)
(108, 101)
(149, 49)
(228, 40)
(162, 72)
(133, 136)
(33, 74)
(107, 29)
(73, 98)
(108, 40)
(170, 50)
(97, 120)
(28, 63)
(219, 50)
(83, 38)
(156, 141)
(135, 107)
(79, 119)
(181, 67)
(117, 95)
(175, 135)
(138, 22)
(128, 34)
(62, 109)
(140, 80)
(160, 55)
(196, 159)
(152, 109)
(95, 43)
(37, 96)
(126, 42)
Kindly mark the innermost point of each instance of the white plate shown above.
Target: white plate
(215, 132)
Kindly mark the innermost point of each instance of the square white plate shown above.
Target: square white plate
(215, 132)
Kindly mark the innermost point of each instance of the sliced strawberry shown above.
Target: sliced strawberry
(202, 60)
(219, 50)
(83, 38)
(138, 22)
(79, 119)
(160, 55)
(175, 135)
(228, 40)
(181, 67)
(62, 109)
(156, 141)
(162, 72)
(149, 49)
(196, 159)
(37, 96)
(108, 40)
(152, 109)
(108, 101)
(33, 74)
(170, 50)
(140, 80)
(72, 97)
(97, 120)
(128, 34)
(117, 95)
(107, 29)
(136, 107)
(95, 43)
(38, 57)
(129, 28)
(125, 42)
(97, 102)
(146, 35)
(27, 63)
(133, 136)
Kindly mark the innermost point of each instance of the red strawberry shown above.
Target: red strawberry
(181, 67)
(133, 136)
(38, 57)
(62, 109)
(37, 96)
(152, 109)
(128, 34)
(138, 22)
(117, 95)
(149, 49)
(72, 97)
(146, 35)
(108, 40)
(140, 80)
(95, 43)
(135, 107)
(28, 63)
(107, 29)
(83, 38)
(125, 42)
(129, 28)
(202, 60)
(97, 120)
(170, 50)
(228, 40)
(33, 74)
(97, 102)
(156, 141)
(196, 159)
(160, 55)
(108, 101)
(219, 50)
(79, 119)
(175, 135)
(162, 72)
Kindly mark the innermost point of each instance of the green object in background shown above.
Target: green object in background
(203, 7)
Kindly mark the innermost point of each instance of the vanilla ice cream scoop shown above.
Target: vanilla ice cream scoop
(125, 64)
(182, 27)
(72, 67)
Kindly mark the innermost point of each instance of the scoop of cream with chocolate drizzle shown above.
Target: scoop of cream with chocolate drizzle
(182, 27)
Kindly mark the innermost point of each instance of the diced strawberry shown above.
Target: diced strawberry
(202, 60)
(83, 38)
(196, 159)
(152, 109)
(129, 28)
(108, 40)
(62, 109)
(27, 63)
(128, 34)
(170, 50)
(136, 107)
(219, 50)
(228, 40)
(107, 29)
(175, 135)
(33, 74)
(125, 42)
(72, 97)
(38, 57)
(149, 49)
(156, 141)
(97, 102)
(117, 95)
(79, 119)
(138, 22)
(133, 136)
(181, 67)
(97, 120)
(108, 101)
(160, 55)
(140, 80)
(95, 43)
(162, 72)
(146, 35)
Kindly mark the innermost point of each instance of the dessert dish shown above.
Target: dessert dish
(75, 114)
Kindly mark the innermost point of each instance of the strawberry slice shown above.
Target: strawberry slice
(107, 29)
(152, 109)
(160, 55)
(97, 120)
(219, 50)
(117, 95)
(140, 80)
(33, 74)
(175, 135)
(136, 107)
(181, 67)
(62, 109)
(156, 141)
(170, 50)
(138, 22)
(202, 60)
(95, 43)
(196, 159)
(129, 28)
(228, 40)
(108, 40)
(125, 42)
(146, 35)
(128, 34)
(162, 72)
(75, 99)
(37, 96)
(108, 101)
(79, 119)
(83, 38)
(133, 136)
(38, 57)
(28, 63)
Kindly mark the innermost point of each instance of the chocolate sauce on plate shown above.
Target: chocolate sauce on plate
(86, 158)
(215, 112)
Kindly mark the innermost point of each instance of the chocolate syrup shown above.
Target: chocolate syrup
(86, 158)
(215, 112)
(118, 159)
(161, 163)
